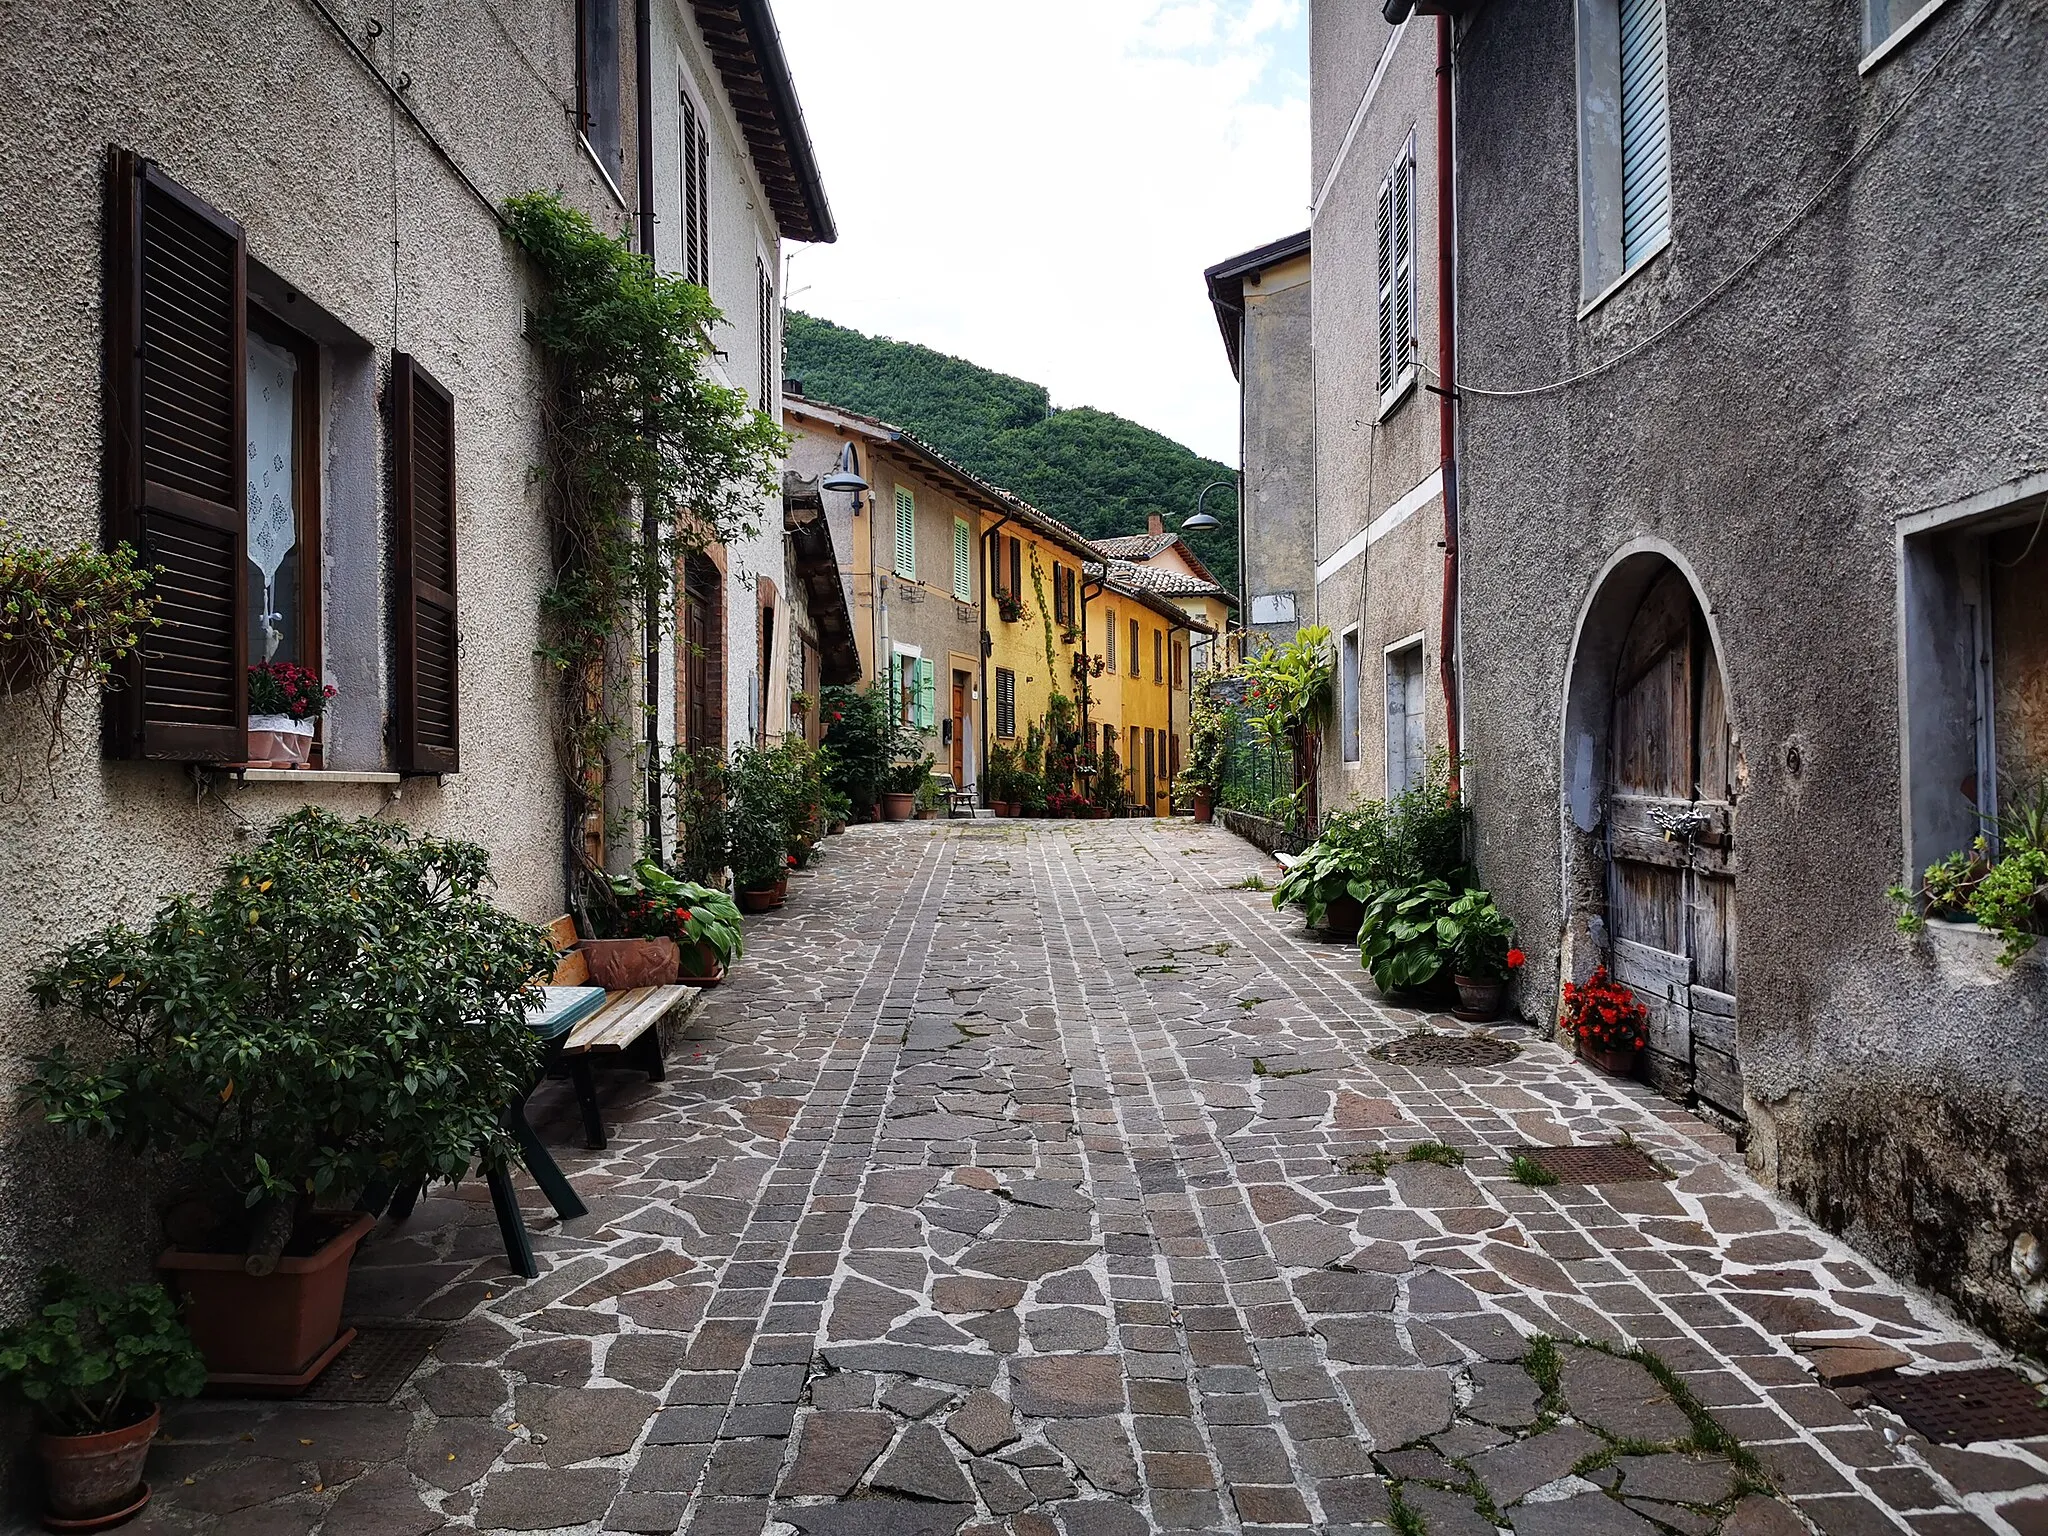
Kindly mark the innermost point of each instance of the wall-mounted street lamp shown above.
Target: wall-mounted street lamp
(1202, 522)
(846, 477)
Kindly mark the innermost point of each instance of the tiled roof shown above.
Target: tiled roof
(1137, 546)
(1147, 578)
(1134, 581)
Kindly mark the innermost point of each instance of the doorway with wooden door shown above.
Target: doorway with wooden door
(1654, 775)
(961, 687)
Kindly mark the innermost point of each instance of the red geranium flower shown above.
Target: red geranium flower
(1516, 959)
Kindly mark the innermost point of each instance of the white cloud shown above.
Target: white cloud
(1038, 186)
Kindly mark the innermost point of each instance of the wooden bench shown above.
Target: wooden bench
(624, 1032)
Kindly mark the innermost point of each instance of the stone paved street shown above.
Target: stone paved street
(1038, 1178)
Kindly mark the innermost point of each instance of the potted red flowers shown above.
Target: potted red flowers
(700, 927)
(284, 700)
(1606, 1023)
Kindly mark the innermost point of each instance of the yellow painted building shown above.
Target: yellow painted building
(1139, 703)
(1031, 600)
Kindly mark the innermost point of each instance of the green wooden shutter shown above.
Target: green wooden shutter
(906, 535)
(927, 695)
(963, 562)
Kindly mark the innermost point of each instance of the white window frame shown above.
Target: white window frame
(905, 500)
(1351, 722)
(963, 561)
(1417, 643)
(1877, 50)
(1398, 343)
(1602, 270)
(690, 100)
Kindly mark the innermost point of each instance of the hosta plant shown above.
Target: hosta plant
(1401, 940)
(656, 905)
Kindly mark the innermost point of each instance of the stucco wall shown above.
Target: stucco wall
(1886, 357)
(1368, 462)
(1278, 394)
(924, 613)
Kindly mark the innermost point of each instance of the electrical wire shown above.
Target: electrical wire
(2040, 517)
(1776, 239)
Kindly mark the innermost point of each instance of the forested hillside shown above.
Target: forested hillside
(1096, 471)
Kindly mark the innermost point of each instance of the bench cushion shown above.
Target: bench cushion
(625, 1017)
(563, 1008)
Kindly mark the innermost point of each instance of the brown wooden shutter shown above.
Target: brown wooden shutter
(177, 444)
(423, 526)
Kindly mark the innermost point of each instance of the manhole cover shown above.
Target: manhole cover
(1428, 1050)
(375, 1366)
(1594, 1165)
(1963, 1407)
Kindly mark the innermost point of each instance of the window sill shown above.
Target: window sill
(1621, 282)
(1392, 400)
(597, 161)
(315, 776)
(1905, 30)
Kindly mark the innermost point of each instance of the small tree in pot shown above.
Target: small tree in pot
(758, 818)
(346, 1010)
(95, 1365)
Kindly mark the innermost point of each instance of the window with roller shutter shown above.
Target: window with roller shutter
(428, 640)
(177, 326)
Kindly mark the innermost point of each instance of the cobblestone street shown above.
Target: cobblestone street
(1040, 1178)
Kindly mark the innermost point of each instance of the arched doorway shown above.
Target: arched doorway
(1653, 778)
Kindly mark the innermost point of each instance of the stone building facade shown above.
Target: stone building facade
(334, 181)
(1752, 468)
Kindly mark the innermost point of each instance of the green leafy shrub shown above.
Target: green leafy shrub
(91, 1359)
(346, 1007)
(863, 738)
(908, 778)
(1401, 940)
(760, 788)
(701, 833)
(2012, 901)
(2006, 893)
(1416, 837)
(1476, 934)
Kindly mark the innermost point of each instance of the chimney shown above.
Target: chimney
(1155, 524)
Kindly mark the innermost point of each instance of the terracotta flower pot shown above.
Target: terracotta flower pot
(619, 965)
(699, 964)
(1478, 998)
(897, 807)
(1205, 811)
(91, 1482)
(1615, 1063)
(1341, 918)
(271, 1333)
(762, 899)
(781, 890)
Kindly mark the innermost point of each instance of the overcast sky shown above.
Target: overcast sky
(1036, 185)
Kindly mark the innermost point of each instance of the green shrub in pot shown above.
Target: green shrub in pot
(656, 905)
(345, 1008)
(1402, 940)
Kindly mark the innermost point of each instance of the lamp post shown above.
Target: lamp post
(1202, 522)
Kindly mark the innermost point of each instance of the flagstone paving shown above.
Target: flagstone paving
(1033, 1178)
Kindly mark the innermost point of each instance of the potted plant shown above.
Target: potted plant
(701, 833)
(757, 822)
(999, 777)
(94, 1365)
(284, 701)
(1606, 1023)
(345, 1009)
(931, 794)
(863, 736)
(901, 786)
(1010, 606)
(1482, 957)
(1210, 729)
(67, 616)
(1401, 939)
(701, 925)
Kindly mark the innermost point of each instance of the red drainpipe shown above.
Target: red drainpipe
(1447, 410)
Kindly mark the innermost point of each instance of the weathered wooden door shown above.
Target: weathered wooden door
(1671, 844)
(959, 730)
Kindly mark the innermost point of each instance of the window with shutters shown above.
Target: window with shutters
(1887, 23)
(282, 494)
(1158, 656)
(1396, 232)
(1109, 641)
(765, 286)
(906, 534)
(1006, 703)
(963, 561)
(1624, 141)
(597, 88)
(1180, 664)
(1016, 587)
(177, 334)
(1059, 593)
(428, 639)
(1132, 655)
(696, 193)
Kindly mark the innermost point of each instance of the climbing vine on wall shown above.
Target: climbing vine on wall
(634, 424)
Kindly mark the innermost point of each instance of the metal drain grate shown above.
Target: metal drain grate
(375, 1366)
(1963, 1407)
(1594, 1165)
(1430, 1050)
